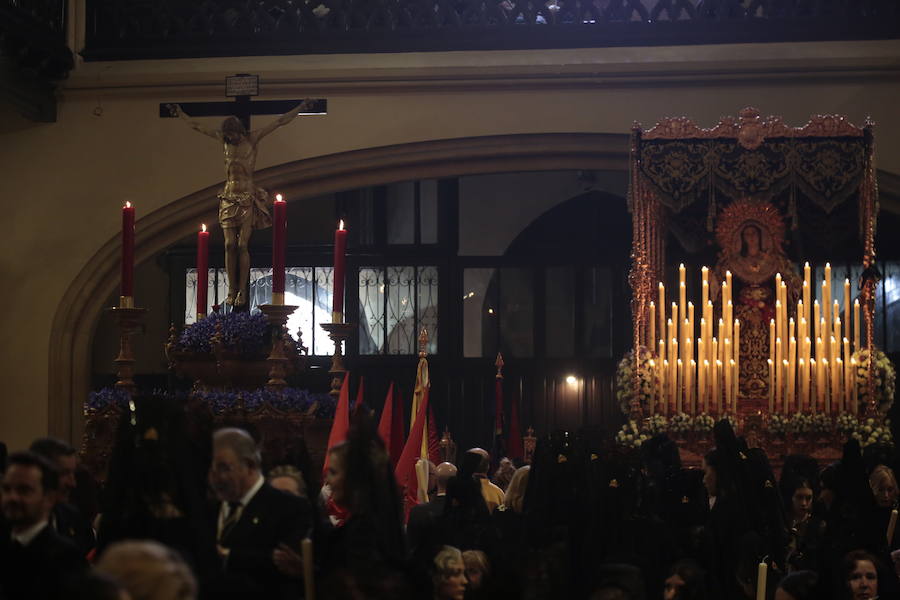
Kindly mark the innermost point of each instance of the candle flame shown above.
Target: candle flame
(203, 227)
(856, 302)
(127, 204)
(279, 198)
(341, 225)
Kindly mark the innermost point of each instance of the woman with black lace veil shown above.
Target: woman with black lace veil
(156, 485)
(365, 554)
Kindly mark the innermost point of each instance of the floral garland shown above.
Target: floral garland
(625, 387)
(820, 423)
(779, 424)
(885, 381)
(242, 333)
(292, 400)
(846, 423)
(657, 424)
(681, 423)
(631, 435)
(704, 423)
(871, 432)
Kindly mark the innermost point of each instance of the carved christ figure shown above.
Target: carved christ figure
(243, 207)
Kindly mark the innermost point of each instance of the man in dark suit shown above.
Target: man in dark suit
(65, 517)
(253, 518)
(421, 527)
(37, 562)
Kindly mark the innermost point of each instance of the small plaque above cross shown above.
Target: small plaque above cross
(242, 88)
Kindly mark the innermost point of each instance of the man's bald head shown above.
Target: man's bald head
(443, 472)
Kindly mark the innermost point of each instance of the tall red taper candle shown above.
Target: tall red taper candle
(202, 271)
(340, 249)
(279, 234)
(127, 292)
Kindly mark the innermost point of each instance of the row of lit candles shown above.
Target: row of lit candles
(683, 383)
(808, 373)
(712, 380)
(279, 244)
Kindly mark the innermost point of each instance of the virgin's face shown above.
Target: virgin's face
(750, 236)
(863, 581)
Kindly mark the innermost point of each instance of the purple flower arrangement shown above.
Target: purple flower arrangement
(289, 400)
(243, 333)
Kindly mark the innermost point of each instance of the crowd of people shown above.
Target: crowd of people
(180, 517)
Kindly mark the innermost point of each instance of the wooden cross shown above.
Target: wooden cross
(242, 88)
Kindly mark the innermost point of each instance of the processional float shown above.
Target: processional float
(757, 346)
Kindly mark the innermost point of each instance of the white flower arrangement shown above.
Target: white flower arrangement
(885, 380)
(732, 420)
(820, 423)
(656, 424)
(681, 423)
(846, 423)
(800, 423)
(871, 432)
(647, 380)
(779, 424)
(704, 423)
(631, 435)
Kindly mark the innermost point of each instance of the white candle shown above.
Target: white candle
(761, 581)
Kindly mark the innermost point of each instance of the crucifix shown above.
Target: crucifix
(243, 207)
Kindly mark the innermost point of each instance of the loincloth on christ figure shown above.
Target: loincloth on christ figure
(235, 209)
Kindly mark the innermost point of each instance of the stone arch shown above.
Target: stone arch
(72, 331)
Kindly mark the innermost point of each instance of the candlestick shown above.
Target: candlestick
(817, 312)
(202, 271)
(651, 342)
(130, 321)
(771, 364)
(679, 391)
(847, 304)
(126, 299)
(761, 581)
(717, 388)
(853, 397)
(892, 525)
(340, 258)
(662, 310)
(807, 290)
(825, 373)
(734, 382)
(737, 360)
(814, 369)
(279, 235)
(857, 342)
(705, 381)
(682, 309)
(704, 293)
(338, 333)
(802, 403)
(277, 316)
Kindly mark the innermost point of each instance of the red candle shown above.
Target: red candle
(279, 234)
(127, 292)
(340, 250)
(202, 271)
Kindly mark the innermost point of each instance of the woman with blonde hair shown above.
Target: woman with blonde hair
(149, 571)
(448, 574)
(884, 486)
(515, 493)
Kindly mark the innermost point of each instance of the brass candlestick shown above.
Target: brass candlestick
(130, 321)
(277, 314)
(339, 333)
